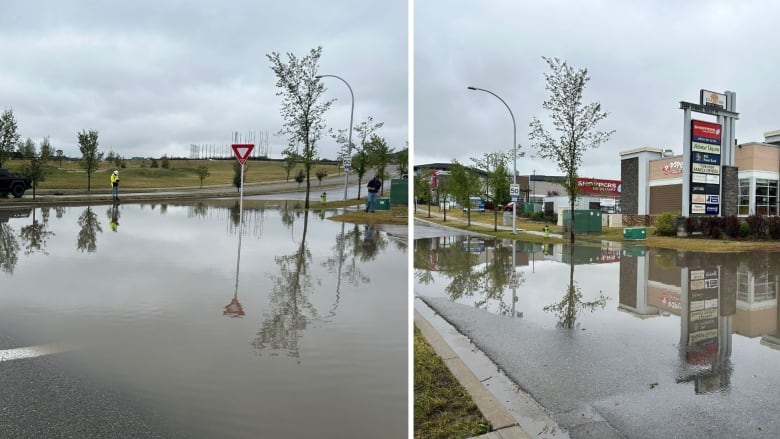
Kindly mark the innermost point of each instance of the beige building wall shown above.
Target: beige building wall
(666, 169)
(758, 157)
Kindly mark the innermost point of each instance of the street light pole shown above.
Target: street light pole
(349, 142)
(514, 153)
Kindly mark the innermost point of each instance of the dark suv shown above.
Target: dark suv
(13, 183)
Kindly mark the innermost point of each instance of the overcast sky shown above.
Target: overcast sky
(153, 77)
(643, 58)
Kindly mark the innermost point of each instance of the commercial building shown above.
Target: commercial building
(653, 181)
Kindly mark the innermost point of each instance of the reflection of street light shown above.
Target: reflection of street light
(349, 142)
(514, 153)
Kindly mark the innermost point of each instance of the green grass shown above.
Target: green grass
(138, 174)
(442, 407)
(455, 218)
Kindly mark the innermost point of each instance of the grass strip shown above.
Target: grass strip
(442, 407)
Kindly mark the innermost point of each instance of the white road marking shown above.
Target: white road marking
(32, 352)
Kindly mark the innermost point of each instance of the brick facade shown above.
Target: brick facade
(629, 179)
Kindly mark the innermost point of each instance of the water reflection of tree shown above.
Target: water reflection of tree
(291, 311)
(87, 238)
(572, 302)
(36, 235)
(9, 248)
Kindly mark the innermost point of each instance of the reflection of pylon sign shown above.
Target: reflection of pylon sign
(242, 151)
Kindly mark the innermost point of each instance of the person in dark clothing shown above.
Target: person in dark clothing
(373, 192)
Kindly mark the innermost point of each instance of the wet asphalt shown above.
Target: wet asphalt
(608, 387)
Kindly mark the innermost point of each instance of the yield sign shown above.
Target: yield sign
(242, 151)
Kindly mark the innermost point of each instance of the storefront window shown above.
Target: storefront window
(744, 196)
(766, 196)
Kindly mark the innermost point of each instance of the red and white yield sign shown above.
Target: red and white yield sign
(242, 151)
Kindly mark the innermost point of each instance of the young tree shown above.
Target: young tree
(379, 156)
(422, 189)
(302, 110)
(574, 122)
(27, 149)
(401, 160)
(37, 171)
(497, 181)
(9, 137)
(300, 177)
(321, 173)
(90, 155)
(165, 162)
(237, 174)
(463, 184)
(290, 160)
(46, 149)
(202, 172)
(361, 161)
(60, 156)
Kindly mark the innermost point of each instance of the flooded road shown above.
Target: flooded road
(187, 321)
(617, 341)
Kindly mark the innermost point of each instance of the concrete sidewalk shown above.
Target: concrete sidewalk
(481, 220)
(504, 424)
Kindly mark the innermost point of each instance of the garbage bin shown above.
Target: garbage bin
(383, 204)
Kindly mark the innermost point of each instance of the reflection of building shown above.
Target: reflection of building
(715, 296)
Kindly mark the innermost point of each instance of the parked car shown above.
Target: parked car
(13, 183)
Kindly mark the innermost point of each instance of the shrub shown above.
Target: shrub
(711, 227)
(731, 226)
(757, 225)
(773, 227)
(691, 225)
(666, 224)
(744, 229)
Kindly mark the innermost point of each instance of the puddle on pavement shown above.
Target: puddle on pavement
(713, 310)
(262, 323)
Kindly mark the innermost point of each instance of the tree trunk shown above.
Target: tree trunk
(571, 212)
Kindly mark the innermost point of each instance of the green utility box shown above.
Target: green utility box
(585, 221)
(634, 233)
(399, 191)
(383, 203)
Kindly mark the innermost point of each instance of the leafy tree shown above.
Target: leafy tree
(463, 183)
(360, 160)
(202, 171)
(300, 177)
(60, 156)
(422, 189)
(401, 159)
(154, 164)
(37, 171)
(165, 162)
(497, 180)
(46, 150)
(321, 173)
(90, 155)
(237, 174)
(27, 149)
(302, 110)
(574, 122)
(9, 137)
(290, 160)
(379, 156)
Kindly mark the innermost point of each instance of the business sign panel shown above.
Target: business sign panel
(705, 160)
(711, 98)
(597, 186)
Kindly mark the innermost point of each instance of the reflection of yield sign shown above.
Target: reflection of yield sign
(242, 151)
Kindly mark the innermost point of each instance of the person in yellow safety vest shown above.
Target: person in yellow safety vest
(546, 231)
(115, 185)
(323, 197)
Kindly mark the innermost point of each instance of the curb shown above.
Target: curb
(504, 424)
